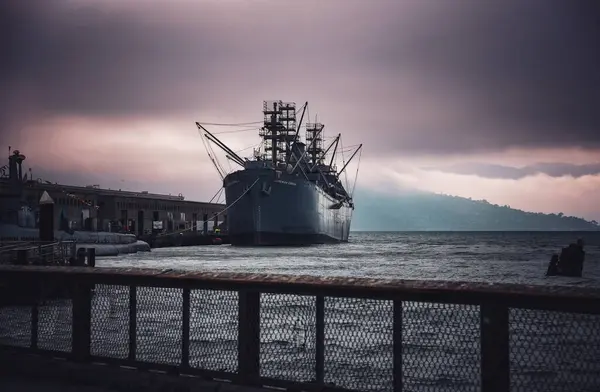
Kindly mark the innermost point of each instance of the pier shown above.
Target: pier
(187, 330)
(92, 209)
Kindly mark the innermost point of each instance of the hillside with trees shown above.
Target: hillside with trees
(436, 212)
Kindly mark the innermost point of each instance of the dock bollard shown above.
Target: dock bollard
(91, 258)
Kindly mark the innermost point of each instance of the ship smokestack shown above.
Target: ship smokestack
(13, 172)
(15, 166)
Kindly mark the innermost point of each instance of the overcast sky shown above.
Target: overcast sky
(485, 99)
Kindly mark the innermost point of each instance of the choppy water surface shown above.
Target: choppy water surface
(440, 342)
(485, 256)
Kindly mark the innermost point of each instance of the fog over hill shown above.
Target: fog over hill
(413, 210)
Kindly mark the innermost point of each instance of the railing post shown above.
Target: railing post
(91, 257)
(81, 256)
(132, 323)
(249, 336)
(82, 321)
(185, 332)
(397, 344)
(320, 339)
(35, 317)
(21, 257)
(495, 360)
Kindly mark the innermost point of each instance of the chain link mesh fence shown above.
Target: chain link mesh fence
(554, 351)
(55, 325)
(287, 337)
(159, 325)
(549, 351)
(441, 347)
(15, 326)
(214, 330)
(110, 321)
(359, 343)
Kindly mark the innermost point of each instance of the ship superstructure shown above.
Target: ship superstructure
(289, 192)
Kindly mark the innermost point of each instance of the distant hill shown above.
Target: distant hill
(435, 212)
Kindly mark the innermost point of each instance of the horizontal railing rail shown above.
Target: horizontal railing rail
(37, 253)
(307, 332)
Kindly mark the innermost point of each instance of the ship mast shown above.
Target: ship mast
(314, 140)
(289, 157)
(328, 168)
(279, 130)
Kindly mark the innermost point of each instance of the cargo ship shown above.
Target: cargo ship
(289, 192)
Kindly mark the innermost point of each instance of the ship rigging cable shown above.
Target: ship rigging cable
(216, 194)
(218, 162)
(344, 164)
(215, 160)
(236, 131)
(238, 124)
(221, 195)
(247, 148)
(216, 214)
(356, 175)
(232, 125)
(208, 150)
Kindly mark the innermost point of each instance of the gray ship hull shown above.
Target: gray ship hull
(281, 209)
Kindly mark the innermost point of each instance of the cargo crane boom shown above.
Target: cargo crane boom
(230, 154)
(352, 156)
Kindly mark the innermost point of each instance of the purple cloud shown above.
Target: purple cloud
(412, 77)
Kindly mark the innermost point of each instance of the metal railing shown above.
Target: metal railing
(308, 333)
(37, 253)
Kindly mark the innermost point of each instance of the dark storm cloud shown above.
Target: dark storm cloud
(516, 173)
(529, 69)
(85, 60)
(420, 77)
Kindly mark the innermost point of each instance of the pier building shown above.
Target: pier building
(92, 208)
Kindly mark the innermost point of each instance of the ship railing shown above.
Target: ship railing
(308, 333)
(7, 248)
